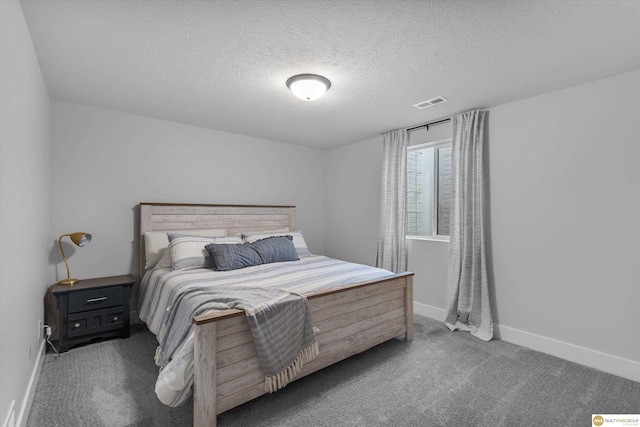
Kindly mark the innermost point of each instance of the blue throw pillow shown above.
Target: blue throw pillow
(232, 257)
(276, 249)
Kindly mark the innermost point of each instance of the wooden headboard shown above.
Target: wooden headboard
(233, 218)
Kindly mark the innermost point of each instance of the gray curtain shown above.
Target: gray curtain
(468, 305)
(392, 253)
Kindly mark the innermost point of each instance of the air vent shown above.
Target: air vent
(430, 102)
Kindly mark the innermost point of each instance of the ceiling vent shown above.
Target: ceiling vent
(430, 102)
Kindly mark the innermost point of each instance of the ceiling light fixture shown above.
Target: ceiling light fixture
(308, 87)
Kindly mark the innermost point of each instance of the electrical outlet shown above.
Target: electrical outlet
(39, 329)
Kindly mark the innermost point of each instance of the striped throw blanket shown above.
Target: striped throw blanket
(279, 322)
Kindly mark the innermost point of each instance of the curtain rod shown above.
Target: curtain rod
(426, 125)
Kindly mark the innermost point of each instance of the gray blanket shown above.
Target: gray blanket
(279, 320)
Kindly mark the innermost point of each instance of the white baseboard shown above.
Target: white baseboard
(23, 415)
(595, 359)
(429, 311)
(10, 419)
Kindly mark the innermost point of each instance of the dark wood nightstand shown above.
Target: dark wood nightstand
(92, 308)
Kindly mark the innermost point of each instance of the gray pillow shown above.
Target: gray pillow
(264, 251)
(276, 249)
(232, 257)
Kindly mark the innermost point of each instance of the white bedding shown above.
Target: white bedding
(161, 286)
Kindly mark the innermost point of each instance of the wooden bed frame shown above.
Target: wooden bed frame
(350, 319)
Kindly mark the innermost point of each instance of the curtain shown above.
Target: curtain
(468, 306)
(392, 253)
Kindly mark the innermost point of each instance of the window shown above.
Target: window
(429, 189)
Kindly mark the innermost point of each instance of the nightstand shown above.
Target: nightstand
(92, 308)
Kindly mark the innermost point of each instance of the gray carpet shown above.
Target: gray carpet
(442, 378)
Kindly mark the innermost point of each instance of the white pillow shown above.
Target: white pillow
(155, 242)
(298, 239)
(189, 252)
(165, 260)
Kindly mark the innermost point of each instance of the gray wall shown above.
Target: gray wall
(106, 162)
(564, 203)
(565, 208)
(24, 207)
(353, 201)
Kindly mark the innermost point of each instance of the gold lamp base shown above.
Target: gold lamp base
(68, 281)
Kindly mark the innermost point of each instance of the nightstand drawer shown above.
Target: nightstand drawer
(95, 299)
(95, 321)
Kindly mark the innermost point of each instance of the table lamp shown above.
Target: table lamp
(80, 239)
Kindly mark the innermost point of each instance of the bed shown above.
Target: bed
(353, 317)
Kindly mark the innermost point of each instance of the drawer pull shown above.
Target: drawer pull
(89, 301)
(77, 325)
(115, 318)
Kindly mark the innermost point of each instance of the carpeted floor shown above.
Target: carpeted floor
(442, 378)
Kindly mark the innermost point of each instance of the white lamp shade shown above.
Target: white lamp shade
(308, 87)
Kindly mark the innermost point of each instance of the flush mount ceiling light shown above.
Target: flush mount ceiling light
(308, 86)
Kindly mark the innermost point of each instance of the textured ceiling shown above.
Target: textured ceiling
(223, 64)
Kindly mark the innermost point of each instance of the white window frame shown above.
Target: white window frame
(434, 180)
